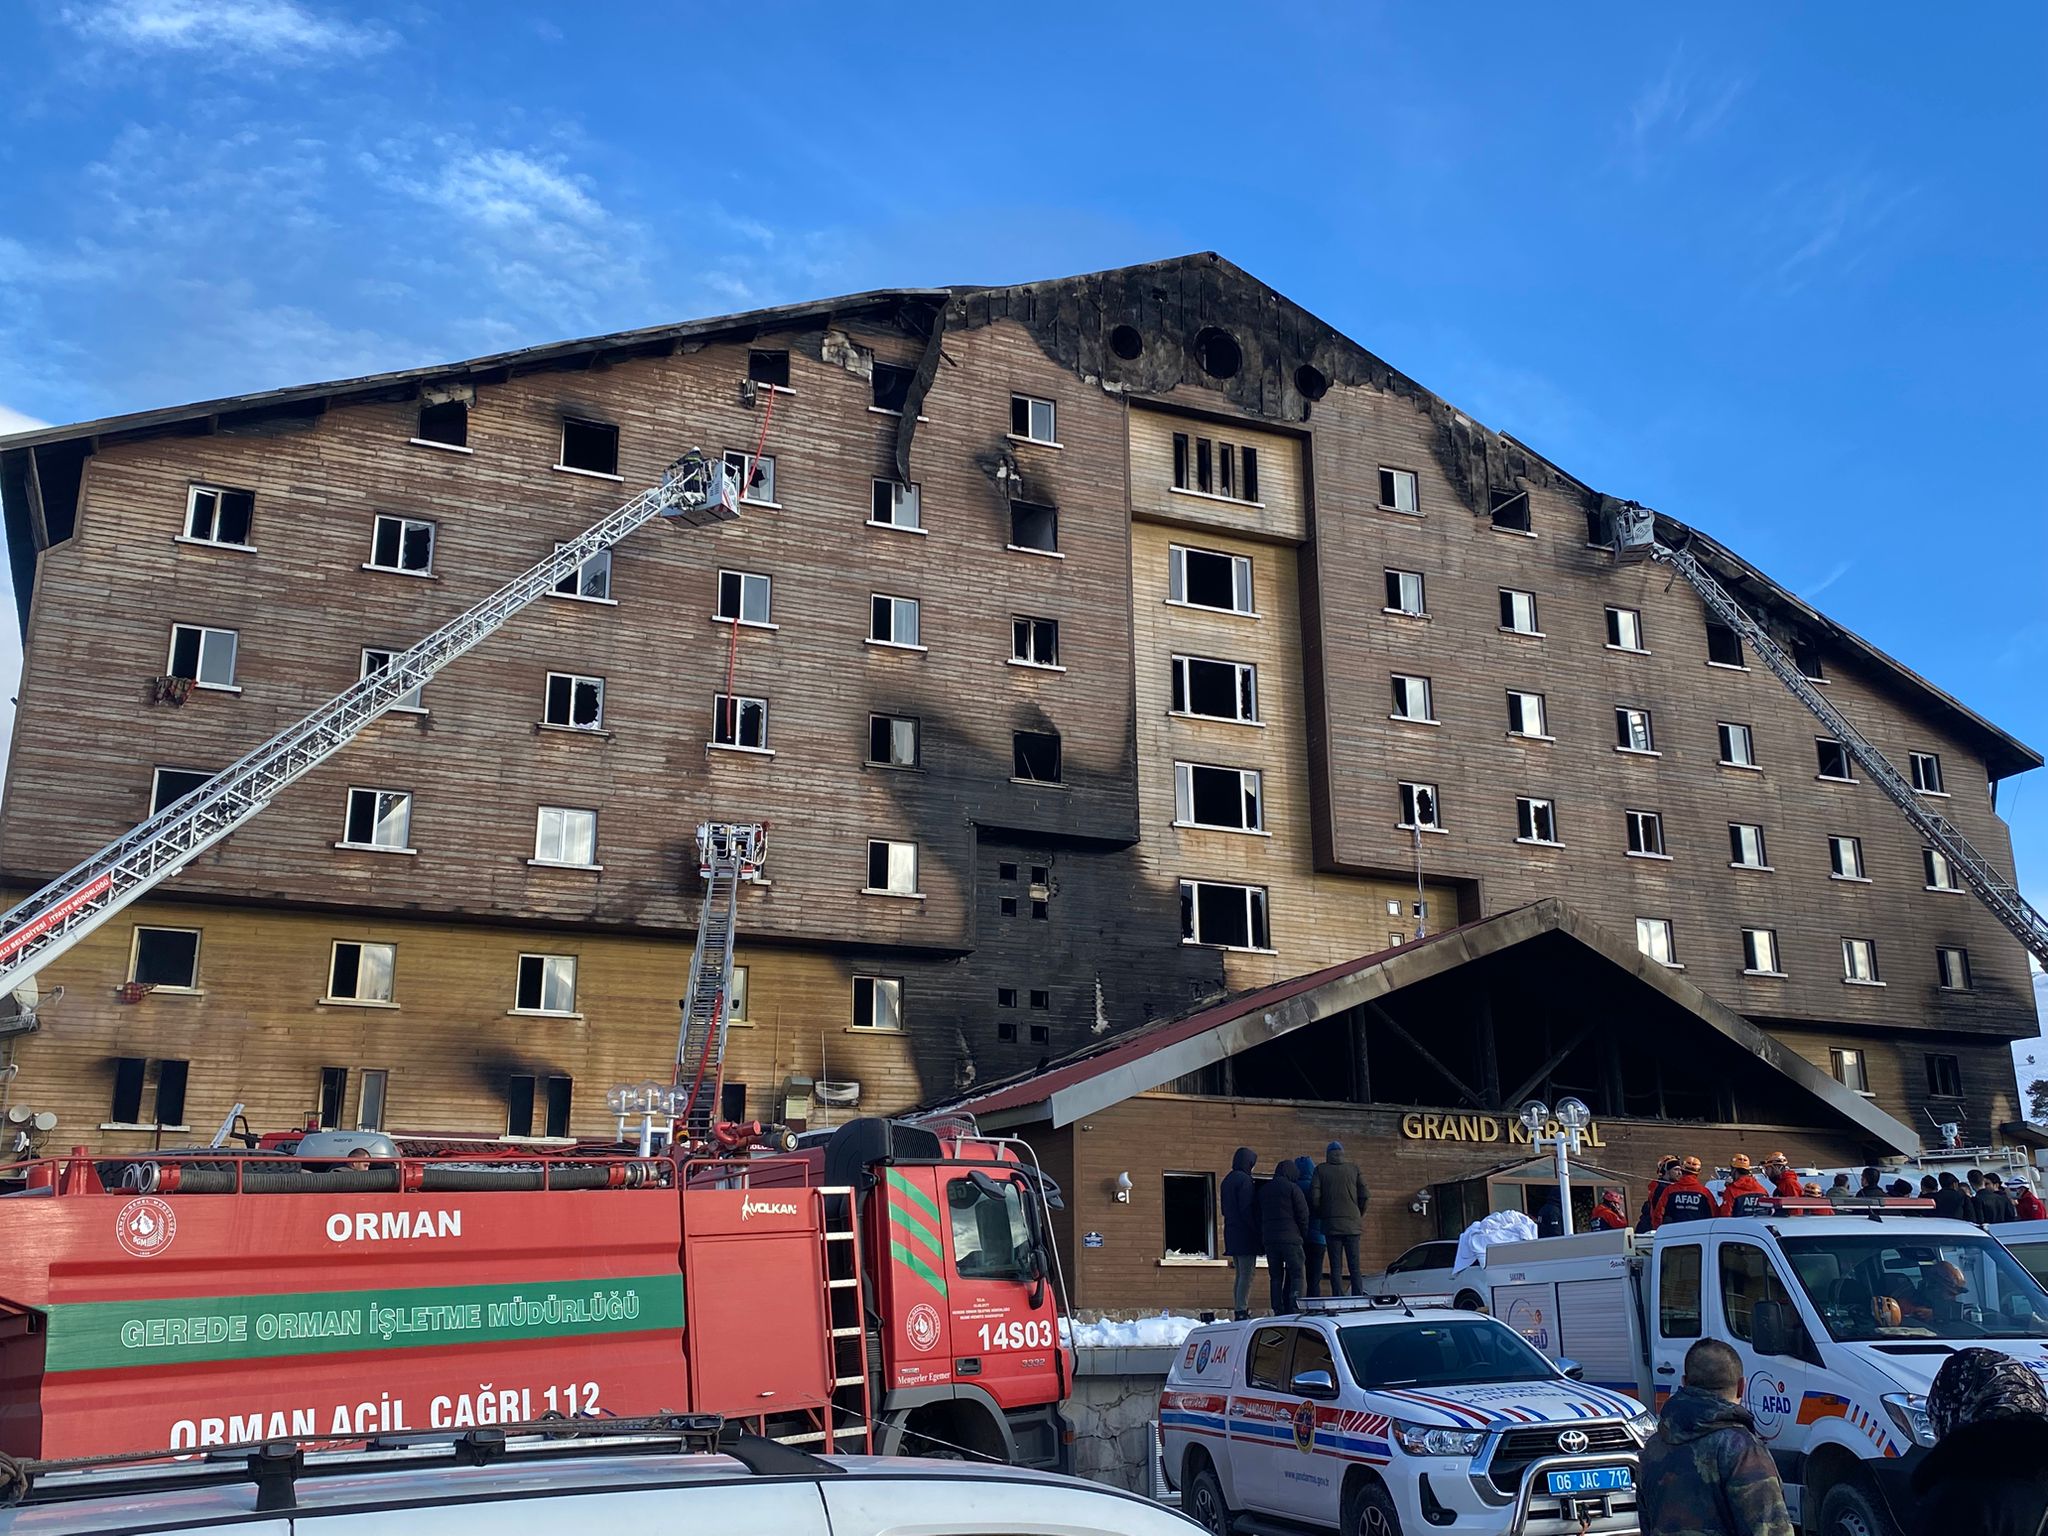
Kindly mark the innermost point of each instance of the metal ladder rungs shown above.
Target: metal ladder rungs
(840, 1285)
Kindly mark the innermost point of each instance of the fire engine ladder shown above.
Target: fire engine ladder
(693, 490)
(1636, 534)
(845, 1422)
(727, 854)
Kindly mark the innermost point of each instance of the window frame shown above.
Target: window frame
(1933, 860)
(1944, 1069)
(190, 988)
(1512, 601)
(578, 577)
(745, 583)
(574, 679)
(896, 500)
(1950, 962)
(1626, 718)
(1850, 1066)
(540, 817)
(549, 964)
(1542, 715)
(219, 493)
(1397, 583)
(890, 845)
(1526, 830)
(1210, 1233)
(1849, 966)
(1241, 580)
(1250, 789)
(1750, 952)
(402, 707)
(1848, 773)
(741, 465)
(1027, 746)
(1662, 927)
(1737, 850)
(1838, 865)
(1408, 800)
(1026, 633)
(361, 947)
(206, 633)
(1925, 768)
(878, 985)
(1022, 515)
(1645, 828)
(1619, 621)
(1406, 696)
(562, 448)
(157, 805)
(405, 525)
(1181, 693)
(1257, 914)
(1023, 428)
(734, 720)
(895, 608)
(1392, 476)
(1715, 627)
(378, 794)
(1724, 739)
(916, 724)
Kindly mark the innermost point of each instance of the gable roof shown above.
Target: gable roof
(1153, 1055)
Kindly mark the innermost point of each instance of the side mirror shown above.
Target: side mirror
(1571, 1368)
(1767, 1330)
(1314, 1384)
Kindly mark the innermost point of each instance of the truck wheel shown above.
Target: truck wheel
(1850, 1510)
(1203, 1501)
(1470, 1301)
(1369, 1510)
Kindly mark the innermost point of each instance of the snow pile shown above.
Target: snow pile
(1500, 1227)
(1162, 1332)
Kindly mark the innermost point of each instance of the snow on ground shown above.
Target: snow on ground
(1162, 1332)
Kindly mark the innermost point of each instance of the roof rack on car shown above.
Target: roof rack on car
(1326, 1304)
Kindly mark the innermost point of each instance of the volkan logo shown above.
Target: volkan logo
(749, 1208)
(145, 1227)
(921, 1326)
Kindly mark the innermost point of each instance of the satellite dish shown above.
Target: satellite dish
(18, 1009)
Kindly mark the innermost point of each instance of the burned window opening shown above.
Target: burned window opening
(1126, 343)
(1724, 645)
(892, 386)
(1311, 381)
(770, 368)
(1218, 353)
(592, 446)
(1034, 525)
(1037, 756)
(1510, 510)
(446, 422)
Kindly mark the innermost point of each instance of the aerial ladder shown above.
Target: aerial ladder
(1635, 537)
(694, 491)
(728, 855)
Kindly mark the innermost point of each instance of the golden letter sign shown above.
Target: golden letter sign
(1481, 1128)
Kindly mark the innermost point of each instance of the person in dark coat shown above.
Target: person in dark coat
(1993, 1203)
(1784, 1182)
(1685, 1198)
(1872, 1187)
(1550, 1218)
(1952, 1201)
(1283, 1230)
(1305, 1176)
(1667, 1170)
(1241, 1227)
(1988, 1471)
(1744, 1193)
(1339, 1197)
(1705, 1472)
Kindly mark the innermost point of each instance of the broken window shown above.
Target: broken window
(402, 544)
(893, 621)
(1847, 1067)
(165, 957)
(892, 868)
(894, 506)
(1006, 997)
(206, 656)
(1204, 578)
(1525, 714)
(562, 835)
(1040, 911)
(1404, 593)
(1510, 510)
(1760, 951)
(574, 701)
(739, 722)
(892, 387)
(1806, 657)
(378, 818)
(167, 786)
(1944, 1072)
(526, 1093)
(1036, 756)
(591, 446)
(360, 973)
(1398, 490)
(217, 515)
(1006, 871)
(1008, 906)
(1738, 746)
(445, 422)
(1653, 938)
(770, 368)
(892, 741)
(1746, 846)
(1941, 874)
(877, 1002)
(1041, 999)
(1034, 525)
(1518, 612)
(1208, 796)
(1833, 758)
(1411, 698)
(1535, 820)
(1859, 961)
(1953, 967)
(1420, 807)
(1845, 858)
(1212, 467)
(1724, 646)
(1035, 642)
(131, 1076)
(1927, 773)
(1218, 690)
(1033, 419)
(1632, 730)
(377, 659)
(1625, 629)
(1646, 834)
(1187, 1211)
(547, 984)
(755, 476)
(745, 596)
(1223, 916)
(1599, 528)
(591, 580)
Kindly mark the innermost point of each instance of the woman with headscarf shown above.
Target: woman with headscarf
(1988, 1472)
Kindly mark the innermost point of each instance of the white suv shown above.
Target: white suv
(1386, 1417)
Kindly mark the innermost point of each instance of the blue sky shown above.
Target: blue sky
(1779, 275)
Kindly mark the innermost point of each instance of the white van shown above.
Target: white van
(1841, 1323)
(2028, 1241)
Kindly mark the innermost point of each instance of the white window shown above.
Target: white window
(1419, 807)
(1848, 1068)
(738, 721)
(1518, 612)
(737, 993)
(1941, 874)
(1404, 593)
(892, 620)
(1653, 938)
(562, 835)
(1746, 846)
(1859, 960)
(592, 580)
(895, 506)
(165, 958)
(1632, 731)
(576, 702)
(1397, 490)
(754, 476)
(1215, 690)
(1035, 642)
(1223, 916)
(745, 596)
(1525, 714)
(893, 740)
(892, 868)
(1760, 951)
(1625, 629)
(1535, 820)
(206, 656)
(1411, 698)
(877, 1002)
(1187, 1211)
(1833, 759)
(1033, 419)
(1845, 858)
(378, 818)
(378, 659)
(167, 786)
(1927, 773)
(1203, 578)
(1208, 796)
(216, 515)
(370, 1103)
(360, 973)
(547, 984)
(1738, 747)
(1953, 966)
(1646, 834)
(402, 544)
(591, 446)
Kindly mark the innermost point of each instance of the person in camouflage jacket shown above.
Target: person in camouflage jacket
(1705, 1472)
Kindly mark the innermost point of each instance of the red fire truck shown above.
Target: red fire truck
(889, 1285)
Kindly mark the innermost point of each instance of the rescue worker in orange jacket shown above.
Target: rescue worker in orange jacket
(1610, 1215)
(1744, 1193)
(1685, 1198)
(1784, 1182)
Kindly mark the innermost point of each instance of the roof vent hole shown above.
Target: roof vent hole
(1126, 343)
(1218, 353)
(1311, 381)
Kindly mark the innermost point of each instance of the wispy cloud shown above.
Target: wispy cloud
(12, 420)
(1829, 224)
(1677, 109)
(1841, 569)
(223, 30)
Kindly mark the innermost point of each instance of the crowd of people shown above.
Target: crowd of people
(1679, 1193)
(1296, 1217)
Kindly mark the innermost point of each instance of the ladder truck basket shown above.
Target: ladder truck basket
(731, 846)
(1635, 532)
